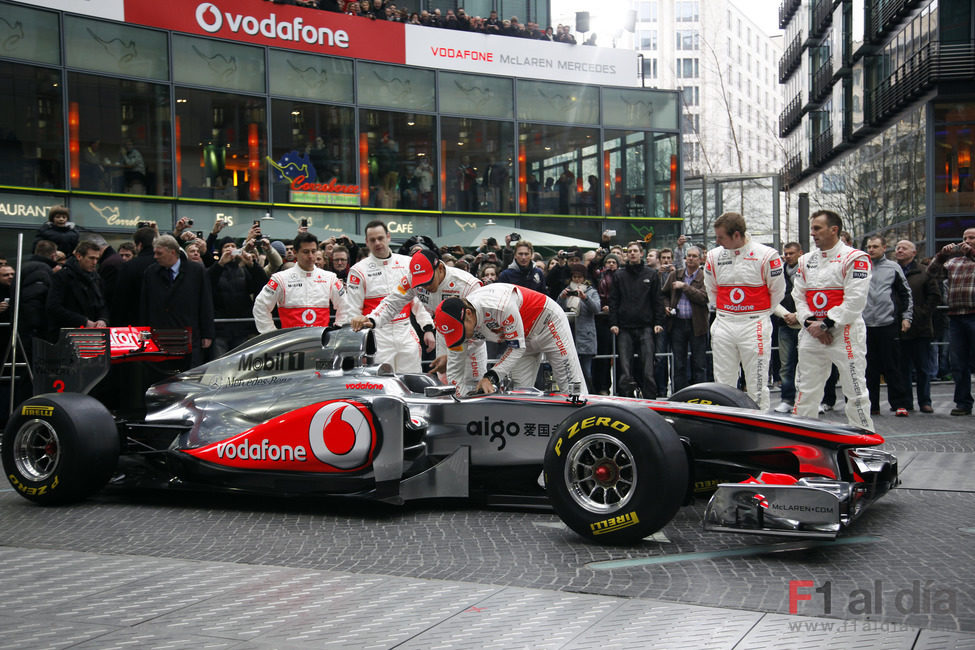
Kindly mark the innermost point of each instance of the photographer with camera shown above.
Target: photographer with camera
(559, 276)
(581, 299)
(957, 263)
(235, 280)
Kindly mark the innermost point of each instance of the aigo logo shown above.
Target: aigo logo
(340, 435)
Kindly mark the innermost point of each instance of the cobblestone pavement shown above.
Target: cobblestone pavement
(195, 570)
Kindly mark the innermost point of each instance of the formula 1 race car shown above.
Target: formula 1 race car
(301, 412)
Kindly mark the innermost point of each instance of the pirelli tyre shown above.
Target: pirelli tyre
(714, 393)
(615, 474)
(59, 448)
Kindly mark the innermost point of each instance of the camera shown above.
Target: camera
(146, 224)
(237, 252)
(189, 222)
(514, 236)
(304, 223)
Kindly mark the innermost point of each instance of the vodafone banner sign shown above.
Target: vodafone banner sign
(517, 57)
(323, 32)
(274, 25)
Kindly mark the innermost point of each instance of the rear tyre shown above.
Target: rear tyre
(714, 393)
(615, 474)
(59, 448)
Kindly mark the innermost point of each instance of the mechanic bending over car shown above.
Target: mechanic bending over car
(432, 282)
(526, 322)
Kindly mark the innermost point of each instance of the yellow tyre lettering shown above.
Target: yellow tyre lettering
(620, 426)
(558, 447)
(597, 422)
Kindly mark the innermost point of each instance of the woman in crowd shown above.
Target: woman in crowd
(581, 299)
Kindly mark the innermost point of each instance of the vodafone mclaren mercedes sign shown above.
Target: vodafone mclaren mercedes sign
(322, 32)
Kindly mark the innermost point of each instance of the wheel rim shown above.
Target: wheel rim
(600, 473)
(36, 450)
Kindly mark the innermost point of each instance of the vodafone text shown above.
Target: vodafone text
(211, 19)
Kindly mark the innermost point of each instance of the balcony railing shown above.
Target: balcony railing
(822, 147)
(822, 17)
(787, 9)
(883, 15)
(791, 116)
(822, 80)
(790, 60)
(792, 171)
(932, 64)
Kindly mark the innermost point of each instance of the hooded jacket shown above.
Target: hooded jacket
(635, 299)
(530, 277)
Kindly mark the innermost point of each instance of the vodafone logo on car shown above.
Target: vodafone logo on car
(340, 436)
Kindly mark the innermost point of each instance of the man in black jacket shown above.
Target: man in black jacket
(523, 271)
(128, 285)
(36, 277)
(77, 296)
(175, 293)
(636, 313)
(234, 281)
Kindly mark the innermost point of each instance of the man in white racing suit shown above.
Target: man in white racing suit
(374, 278)
(744, 283)
(830, 288)
(302, 293)
(431, 282)
(528, 323)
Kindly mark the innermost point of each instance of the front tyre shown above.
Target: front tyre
(59, 448)
(615, 474)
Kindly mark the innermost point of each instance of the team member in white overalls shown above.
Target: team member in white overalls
(744, 282)
(830, 289)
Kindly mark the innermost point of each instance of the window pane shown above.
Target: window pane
(327, 79)
(395, 150)
(221, 145)
(641, 109)
(396, 86)
(539, 100)
(558, 160)
(32, 117)
(221, 64)
(38, 31)
(317, 142)
(124, 133)
(470, 95)
(116, 49)
(479, 161)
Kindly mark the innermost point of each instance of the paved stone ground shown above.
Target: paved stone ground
(907, 565)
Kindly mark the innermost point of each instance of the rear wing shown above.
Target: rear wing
(82, 357)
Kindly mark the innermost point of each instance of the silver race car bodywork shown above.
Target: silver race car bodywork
(301, 411)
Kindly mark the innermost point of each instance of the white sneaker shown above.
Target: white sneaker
(783, 407)
(825, 408)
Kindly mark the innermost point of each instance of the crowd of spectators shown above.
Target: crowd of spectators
(458, 20)
(631, 300)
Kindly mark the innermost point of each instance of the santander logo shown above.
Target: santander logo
(212, 20)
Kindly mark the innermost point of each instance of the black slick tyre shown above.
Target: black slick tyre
(714, 393)
(615, 474)
(59, 448)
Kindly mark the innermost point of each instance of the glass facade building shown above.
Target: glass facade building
(880, 113)
(124, 120)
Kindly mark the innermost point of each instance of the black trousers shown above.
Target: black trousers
(690, 353)
(882, 359)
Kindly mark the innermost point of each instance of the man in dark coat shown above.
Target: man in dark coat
(175, 293)
(915, 343)
(36, 277)
(523, 271)
(687, 319)
(636, 313)
(128, 284)
(235, 279)
(77, 296)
